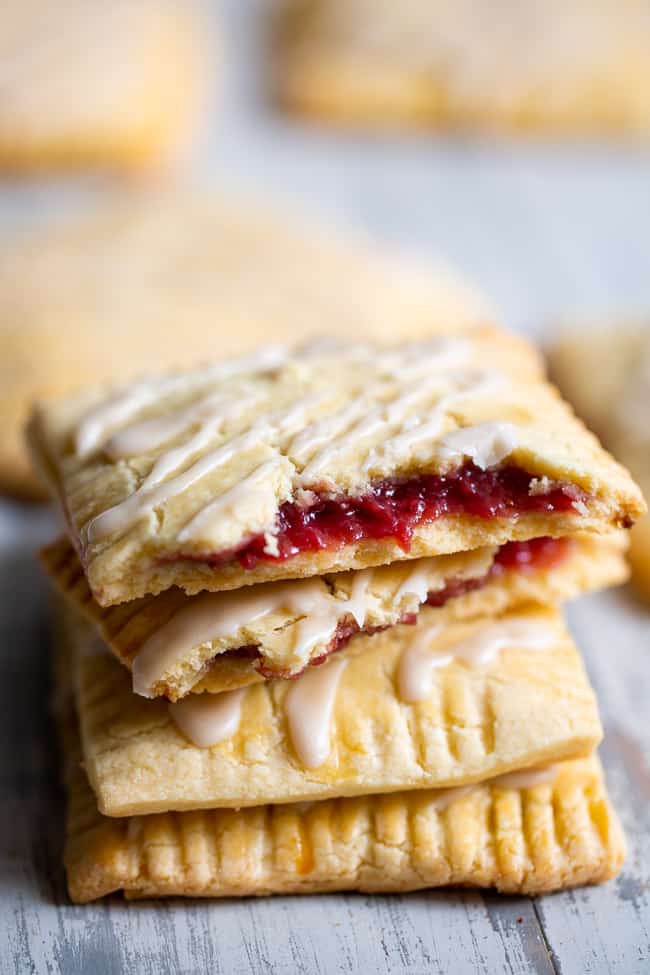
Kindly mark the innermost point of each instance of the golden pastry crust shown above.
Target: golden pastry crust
(526, 707)
(88, 83)
(162, 478)
(587, 563)
(527, 841)
(236, 275)
(459, 65)
(605, 372)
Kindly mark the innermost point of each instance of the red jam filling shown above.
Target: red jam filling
(395, 508)
(537, 553)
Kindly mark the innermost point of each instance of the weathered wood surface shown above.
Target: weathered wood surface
(545, 233)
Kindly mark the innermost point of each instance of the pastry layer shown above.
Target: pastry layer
(89, 83)
(605, 372)
(489, 696)
(68, 298)
(275, 630)
(520, 840)
(513, 66)
(289, 464)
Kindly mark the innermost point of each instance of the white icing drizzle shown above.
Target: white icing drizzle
(486, 444)
(148, 496)
(323, 430)
(309, 707)
(406, 379)
(373, 422)
(417, 582)
(415, 362)
(207, 719)
(524, 779)
(420, 659)
(213, 615)
(445, 797)
(256, 483)
(357, 604)
(113, 413)
(211, 412)
(156, 490)
(527, 778)
(417, 429)
(419, 359)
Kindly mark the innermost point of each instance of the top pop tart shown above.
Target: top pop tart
(287, 464)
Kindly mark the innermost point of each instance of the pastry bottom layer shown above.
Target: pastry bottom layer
(532, 840)
(549, 836)
(527, 706)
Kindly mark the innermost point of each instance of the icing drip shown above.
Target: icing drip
(207, 719)
(115, 412)
(309, 708)
(486, 444)
(417, 582)
(156, 488)
(252, 490)
(406, 378)
(397, 412)
(357, 604)
(213, 615)
(445, 797)
(524, 779)
(418, 429)
(151, 493)
(420, 659)
(139, 438)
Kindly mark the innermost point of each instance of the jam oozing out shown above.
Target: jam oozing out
(537, 553)
(395, 508)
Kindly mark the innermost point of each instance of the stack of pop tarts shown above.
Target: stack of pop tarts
(308, 638)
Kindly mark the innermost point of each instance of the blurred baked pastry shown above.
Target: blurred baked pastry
(87, 83)
(152, 280)
(605, 372)
(511, 65)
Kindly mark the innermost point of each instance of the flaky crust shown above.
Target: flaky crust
(604, 371)
(451, 64)
(501, 389)
(89, 83)
(528, 841)
(527, 707)
(590, 562)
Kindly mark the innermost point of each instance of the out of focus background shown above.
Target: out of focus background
(180, 180)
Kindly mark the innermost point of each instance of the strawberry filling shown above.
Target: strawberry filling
(395, 508)
(535, 554)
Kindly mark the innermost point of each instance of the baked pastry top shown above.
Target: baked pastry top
(294, 463)
(84, 82)
(414, 707)
(122, 275)
(508, 65)
(214, 642)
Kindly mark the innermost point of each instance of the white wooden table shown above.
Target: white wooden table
(546, 232)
